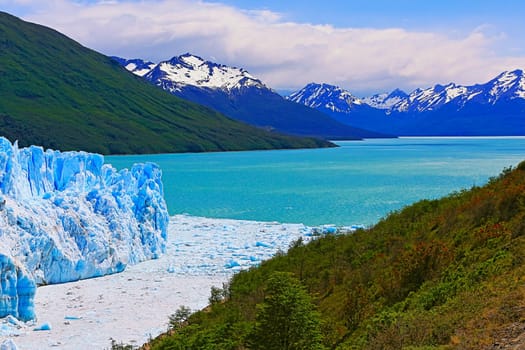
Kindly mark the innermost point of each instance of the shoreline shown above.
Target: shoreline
(134, 305)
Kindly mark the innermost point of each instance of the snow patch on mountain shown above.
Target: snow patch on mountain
(136, 65)
(66, 216)
(140, 70)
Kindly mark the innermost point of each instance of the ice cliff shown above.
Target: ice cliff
(66, 216)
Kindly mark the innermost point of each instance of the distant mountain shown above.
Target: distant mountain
(326, 96)
(59, 94)
(494, 108)
(239, 95)
(385, 100)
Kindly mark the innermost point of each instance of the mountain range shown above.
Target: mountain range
(56, 93)
(493, 108)
(239, 95)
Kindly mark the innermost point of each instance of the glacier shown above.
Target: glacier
(66, 216)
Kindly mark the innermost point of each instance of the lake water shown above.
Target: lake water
(356, 183)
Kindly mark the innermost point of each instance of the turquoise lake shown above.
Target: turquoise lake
(356, 183)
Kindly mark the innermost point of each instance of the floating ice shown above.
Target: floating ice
(43, 327)
(231, 264)
(263, 245)
(66, 216)
(72, 318)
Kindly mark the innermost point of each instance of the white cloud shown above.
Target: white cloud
(283, 54)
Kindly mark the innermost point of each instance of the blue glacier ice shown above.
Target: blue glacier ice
(17, 290)
(66, 216)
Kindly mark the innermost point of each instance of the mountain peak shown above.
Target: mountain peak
(509, 84)
(510, 74)
(187, 60)
(397, 93)
(334, 98)
(191, 70)
(386, 100)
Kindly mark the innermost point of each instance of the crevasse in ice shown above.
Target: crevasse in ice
(66, 216)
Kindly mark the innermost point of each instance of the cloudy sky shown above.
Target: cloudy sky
(364, 46)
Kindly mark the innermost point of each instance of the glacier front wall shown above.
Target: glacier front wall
(66, 216)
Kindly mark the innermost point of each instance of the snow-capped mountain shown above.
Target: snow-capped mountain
(493, 108)
(239, 95)
(508, 85)
(68, 216)
(430, 99)
(385, 100)
(326, 96)
(338, 100)
(505, 87)
(187, 69)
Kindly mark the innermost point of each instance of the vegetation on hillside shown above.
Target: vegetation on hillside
(439, 274)
(61, 95)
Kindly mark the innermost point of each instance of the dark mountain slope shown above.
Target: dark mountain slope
(267, 109)
(59, 94)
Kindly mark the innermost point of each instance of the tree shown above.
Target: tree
(180, 317)
(216, 295)
(286, 320)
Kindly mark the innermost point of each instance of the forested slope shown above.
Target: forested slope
(438, 274)
(58, 94)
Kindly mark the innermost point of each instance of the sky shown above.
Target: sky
(365, 47)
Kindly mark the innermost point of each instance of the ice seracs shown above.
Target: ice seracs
(66, 216)
(17, 289)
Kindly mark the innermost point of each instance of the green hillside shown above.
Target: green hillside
(439, 274)
(59, 94)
